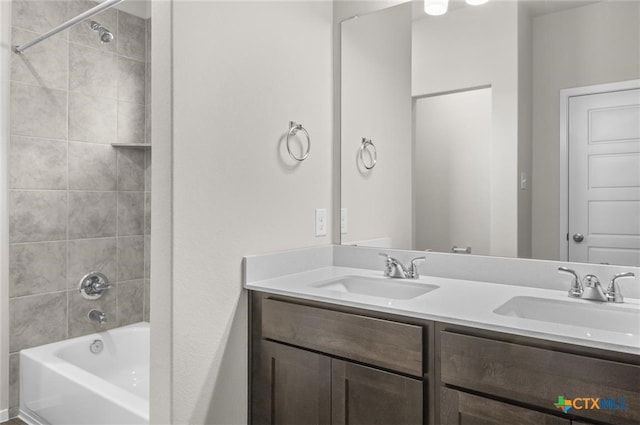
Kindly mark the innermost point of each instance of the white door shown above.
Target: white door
(604, 178)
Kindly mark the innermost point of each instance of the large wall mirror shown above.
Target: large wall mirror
(461, 132)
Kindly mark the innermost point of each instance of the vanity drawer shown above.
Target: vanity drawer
(537, 376)
(390, 345)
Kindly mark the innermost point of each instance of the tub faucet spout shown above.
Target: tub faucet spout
(97, 316)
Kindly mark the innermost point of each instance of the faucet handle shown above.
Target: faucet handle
(413, 270)
(613, 291)
(576, 289)
(387, 263)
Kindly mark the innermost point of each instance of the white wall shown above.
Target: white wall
(376, 104)
(485, 42)
(451, 180)
(241, 72)
(594, 44)
(5, 57)
(161, 297)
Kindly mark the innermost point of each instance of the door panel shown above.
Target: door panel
(460, 408)
(362, 395)
(293, 386)
(604, 177)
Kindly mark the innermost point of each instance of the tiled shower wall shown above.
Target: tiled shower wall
(76, 204)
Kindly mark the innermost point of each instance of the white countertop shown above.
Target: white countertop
(461, 302)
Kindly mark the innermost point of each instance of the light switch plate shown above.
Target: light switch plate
(343, 220)
(321, 222)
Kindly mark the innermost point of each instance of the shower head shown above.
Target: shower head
(105, 34)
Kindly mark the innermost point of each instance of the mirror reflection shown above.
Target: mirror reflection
(510, 128)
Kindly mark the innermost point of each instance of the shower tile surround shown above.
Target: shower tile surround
(76, 204)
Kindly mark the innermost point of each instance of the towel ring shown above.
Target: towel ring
(294, 127)
(366, 143)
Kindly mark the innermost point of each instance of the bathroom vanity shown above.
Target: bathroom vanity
(324, 351)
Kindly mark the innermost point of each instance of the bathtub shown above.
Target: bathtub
(66, 383)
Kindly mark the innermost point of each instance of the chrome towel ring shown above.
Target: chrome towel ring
(368, 145)
(294, 127)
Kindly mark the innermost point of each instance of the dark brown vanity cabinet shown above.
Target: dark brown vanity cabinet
(492, 378)
(314, 365)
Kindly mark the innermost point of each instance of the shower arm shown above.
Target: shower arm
(89, 13)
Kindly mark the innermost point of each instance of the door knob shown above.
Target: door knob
(578, 237)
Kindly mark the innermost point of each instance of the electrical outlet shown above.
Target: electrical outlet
(321, 222)
(343, 220)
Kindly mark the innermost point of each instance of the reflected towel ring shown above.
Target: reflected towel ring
(294, 127)
(373, 153)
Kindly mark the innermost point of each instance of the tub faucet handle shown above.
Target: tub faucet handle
(93, 285)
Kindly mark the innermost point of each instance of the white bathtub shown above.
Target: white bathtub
(65, 383)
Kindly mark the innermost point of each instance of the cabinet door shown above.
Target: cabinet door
(291, 386)
(459, 408)
(362, 395)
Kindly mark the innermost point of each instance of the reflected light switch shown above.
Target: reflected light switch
(321, 222)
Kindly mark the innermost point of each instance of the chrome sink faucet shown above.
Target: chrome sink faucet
(590, 287)
(395, 269)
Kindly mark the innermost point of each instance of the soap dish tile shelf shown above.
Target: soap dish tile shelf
(132, 145)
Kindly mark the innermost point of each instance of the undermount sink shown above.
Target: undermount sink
(605, 316)
(394, 289)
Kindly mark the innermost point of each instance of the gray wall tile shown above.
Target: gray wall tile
(130, 213)
(92, 166)
(131, 36)
(147, 213)
(131, 80)
(130, 258)
(147, 170)
(37, 320)
(89, 255)
(147, 256)
(130, 302)
(79, 308)
(131, 169)
(146, 315)
(38, 111)
(92, 119)
(130, 122)
(37, 163)
(14, 380)
(44, 64)
(93, 72)
(36, 216)
(92, 214)
(148, 40)
(37, 268)
(39, 16)
(65, 92)
(83, 34)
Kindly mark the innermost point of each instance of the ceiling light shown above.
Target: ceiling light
(436, 7)
(476, 2)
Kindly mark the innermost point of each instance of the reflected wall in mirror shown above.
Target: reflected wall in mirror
(465, 113)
